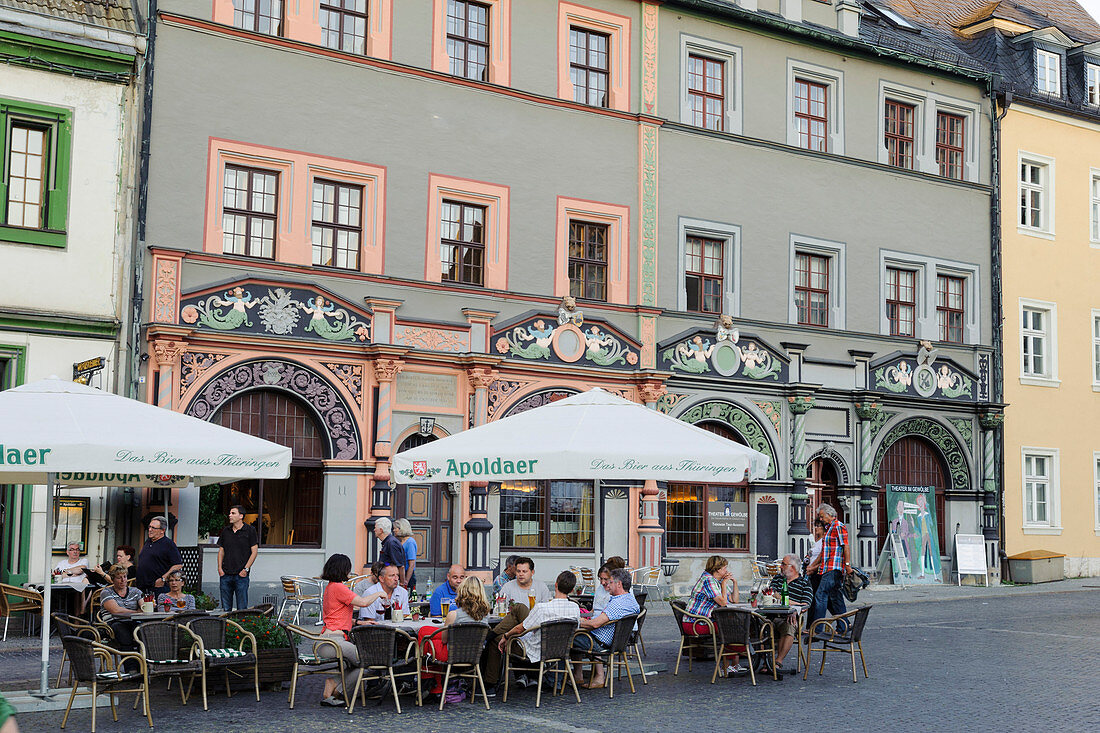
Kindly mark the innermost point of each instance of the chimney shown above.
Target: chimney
(847, 17)
(791, 10)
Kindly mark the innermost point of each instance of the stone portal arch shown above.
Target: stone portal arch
(738, 419)
(539, 398)
(308, 385)
(940, 436)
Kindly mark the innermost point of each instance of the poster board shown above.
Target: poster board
(970, 556)
(72, 524)
(911, 512)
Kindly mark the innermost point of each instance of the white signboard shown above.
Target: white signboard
(970, 556)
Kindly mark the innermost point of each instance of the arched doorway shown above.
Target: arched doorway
(287, 511)
(428, 507)
(821, 480)
(912, 461)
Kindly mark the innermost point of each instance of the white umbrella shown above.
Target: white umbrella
(54, 430)
(593, 435)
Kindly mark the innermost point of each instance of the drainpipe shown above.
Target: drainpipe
(996, 277)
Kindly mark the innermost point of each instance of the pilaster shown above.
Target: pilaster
(799, 405)
(990, 419)
(870, 416)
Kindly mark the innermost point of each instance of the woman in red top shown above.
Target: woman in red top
(337, 608)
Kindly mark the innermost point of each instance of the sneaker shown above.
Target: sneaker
(524, 681)
(739, 669)
(332, 701)
(491, 692)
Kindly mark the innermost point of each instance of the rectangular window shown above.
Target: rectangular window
(899, 133)
(950, 153)
(344, 25)
(811, 289)
(468, 39)
(1037, 478)
(250, 212)
(687, 513)
(1032, 195)
(1036, 339)
(1096, 347)
(901, 301)
(546, 515)
(28, 169)
(811, 114)
(1048, 72)
(588, 260)
(589, 66)
(1092, 83)
(706, 92)
(1094, 207)
(703, 274)
(950, 313)
(462, 243)
(337, 224)
(260, 16)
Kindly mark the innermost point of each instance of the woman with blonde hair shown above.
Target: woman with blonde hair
(403, 531)
(470, 606)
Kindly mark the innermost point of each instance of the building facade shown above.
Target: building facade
(745, 216)
(69, 112)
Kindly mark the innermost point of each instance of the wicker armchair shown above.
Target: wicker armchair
(160, 643)
(690, 643)
(614, 656)
(632, 646)
(465, 643)
(75, 626)
(87, 658)
(211, 634)
(313, 662)
(555, 640)
(843, 633)
(378, 655)
(739, 627)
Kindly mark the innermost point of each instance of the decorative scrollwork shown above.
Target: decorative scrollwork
(351, 376)
(500, 390)
(538, 399)
(939, 436)
(740, 421)
(193, 365)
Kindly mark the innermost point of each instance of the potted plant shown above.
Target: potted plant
(275, 647)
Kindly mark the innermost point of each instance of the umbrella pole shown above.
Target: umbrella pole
(44, 671)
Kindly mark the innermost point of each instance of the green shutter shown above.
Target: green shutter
(57, 212)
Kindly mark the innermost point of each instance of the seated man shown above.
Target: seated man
(447, 591)
(393, 594)
(622, 604)
(524, 586)
(524, 620)
(800, 596)
(509, 573)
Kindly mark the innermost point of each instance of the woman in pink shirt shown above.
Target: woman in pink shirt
(337, 609)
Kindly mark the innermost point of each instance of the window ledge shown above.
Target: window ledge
(43, 237)
(1041, 382)
(1095, 387)
(1094, 244)
(1037, 233)
(1042, 530)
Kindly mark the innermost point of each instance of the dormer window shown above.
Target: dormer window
(1048, 72)
(1092, 83)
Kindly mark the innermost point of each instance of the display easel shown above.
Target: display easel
(893, 551)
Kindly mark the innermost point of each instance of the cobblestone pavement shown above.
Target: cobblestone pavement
(1023, 662)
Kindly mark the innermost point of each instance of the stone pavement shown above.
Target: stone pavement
(1017, 659)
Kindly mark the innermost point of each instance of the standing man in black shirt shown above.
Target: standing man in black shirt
(237, 547)
(158, 558)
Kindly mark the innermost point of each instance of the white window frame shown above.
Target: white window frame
(833, 79)
(1096, 488)
(1046, 164)
(928, 270)
(730, 235)
(1094, 325)
(1041, 79)
(1092, 83)
(1053, 523)
(1050, 335)
(927, 105)
(729, 55)
(835, 251)
(1094, 207)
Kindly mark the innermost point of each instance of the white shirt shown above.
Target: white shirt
(512, 591)
(553, 610)
(600, 597)
(66, 565)
(815, 551)
(377, 609)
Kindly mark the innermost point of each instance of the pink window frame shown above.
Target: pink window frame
(617, 219)
(616, 26)
(302, 22)
(494, 198)
(500, 40)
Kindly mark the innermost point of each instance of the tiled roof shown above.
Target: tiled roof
(950, 15)
(116, 14)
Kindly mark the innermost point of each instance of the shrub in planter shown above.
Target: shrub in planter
(275, 647)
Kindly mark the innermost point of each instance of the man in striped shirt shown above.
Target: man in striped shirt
(833, 563)
(800, 597)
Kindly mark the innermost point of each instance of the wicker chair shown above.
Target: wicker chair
(160, 643)
(27, 601)
(377, 647)
(690, 643)
(742, 628)
(313, 663)
(615, 654)
(299, 592)
(83, 656)
(846, 636)
(555, 640)
(75, 626)
(211, 634)
(632, 646)
(465, 643)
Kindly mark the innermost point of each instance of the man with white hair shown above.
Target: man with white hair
(800, 597)
(392, 553)
(835, 561)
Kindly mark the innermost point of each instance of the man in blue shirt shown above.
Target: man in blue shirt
(509, 573)
(622, 604)
(447, 591)
(391, 552)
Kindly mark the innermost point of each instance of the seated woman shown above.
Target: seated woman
(601, 595)
(337, 606)
(175, 600)
(119, 603)
(470, 606)
(124, 557)
(715, 588)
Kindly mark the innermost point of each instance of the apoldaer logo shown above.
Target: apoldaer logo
(420, 468)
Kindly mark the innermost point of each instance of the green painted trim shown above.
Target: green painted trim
(22, 523)
(26, 50)
(59, 327)
(21, 235)
(60, 123)
(19, 353)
